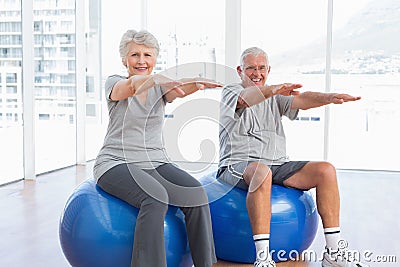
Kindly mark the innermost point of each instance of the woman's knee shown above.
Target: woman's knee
(194, 197)
(154, 206)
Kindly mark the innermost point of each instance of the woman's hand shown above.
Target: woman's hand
(144, 83)
(191, 85)
(200, 83)
(168, 84)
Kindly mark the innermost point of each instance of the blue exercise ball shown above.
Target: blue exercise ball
(97, 229)
(294, 221)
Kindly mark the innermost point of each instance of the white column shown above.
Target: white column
(328, 76)
(80, 61)
(28, 89)
(233, 30)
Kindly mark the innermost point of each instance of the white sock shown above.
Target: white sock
(262, 246)
(332, 237)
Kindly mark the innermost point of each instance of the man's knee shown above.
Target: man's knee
(257, 169)
(258, 176)
(326, 170)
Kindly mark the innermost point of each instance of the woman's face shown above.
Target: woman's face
(140, 59)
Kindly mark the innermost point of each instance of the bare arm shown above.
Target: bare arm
(254, 95)
(189, 86)
(309, 100)
(137, 84)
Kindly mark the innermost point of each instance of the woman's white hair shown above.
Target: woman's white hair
(139, 37)
(255, 51)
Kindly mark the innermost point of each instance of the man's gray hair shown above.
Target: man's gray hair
(139, 37)
(255, 51)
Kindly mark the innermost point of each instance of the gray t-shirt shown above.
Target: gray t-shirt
(254, 133)
(134, 133)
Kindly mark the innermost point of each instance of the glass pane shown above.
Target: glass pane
(95, 123)
(55, 86)
(192, 44)
(11, 132)
(365, 62)
(114, 23)
(194, 32)
(295, 40)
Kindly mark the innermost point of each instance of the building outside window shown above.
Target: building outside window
(55, 84)
(11, 132)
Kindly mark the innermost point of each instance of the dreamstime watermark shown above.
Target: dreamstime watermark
(367, 256)
(187, 132)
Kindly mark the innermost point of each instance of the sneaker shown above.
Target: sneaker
(264, 260)
(264, 263)
(340, 258)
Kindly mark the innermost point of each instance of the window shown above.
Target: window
(11, 89)
(296, 49)
(55, 92)
(367, 130)
(96, 122)
(362, 135)
(11, 132)
(192, 44)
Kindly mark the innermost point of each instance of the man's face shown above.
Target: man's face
(254, 71)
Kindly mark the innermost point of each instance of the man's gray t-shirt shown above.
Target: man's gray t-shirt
(254, 133)
(134, 133)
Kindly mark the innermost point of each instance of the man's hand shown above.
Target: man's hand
(341, 98)
(309, 99)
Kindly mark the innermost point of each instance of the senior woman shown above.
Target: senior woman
(132, 164)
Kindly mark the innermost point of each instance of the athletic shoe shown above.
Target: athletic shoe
(266, 263)
(341, 258)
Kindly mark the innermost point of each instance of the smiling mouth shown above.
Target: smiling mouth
(256, 80)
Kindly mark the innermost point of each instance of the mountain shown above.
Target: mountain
(371, 36)
(377, 27)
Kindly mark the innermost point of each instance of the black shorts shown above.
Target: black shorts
(233, 174)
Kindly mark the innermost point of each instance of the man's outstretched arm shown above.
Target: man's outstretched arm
(254, 95)
(309, 100)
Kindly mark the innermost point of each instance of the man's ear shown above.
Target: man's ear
(239, 70)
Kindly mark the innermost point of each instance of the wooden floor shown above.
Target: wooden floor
(30, 213)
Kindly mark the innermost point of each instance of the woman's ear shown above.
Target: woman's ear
(124, 62)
